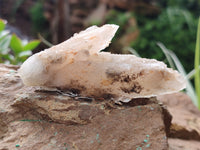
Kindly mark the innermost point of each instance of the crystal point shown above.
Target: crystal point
(78, 64)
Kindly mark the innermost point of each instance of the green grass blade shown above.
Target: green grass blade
(44, 41)
(189, 88)
(196, 64)
(169, 59)
(132, 51)
(191, 74)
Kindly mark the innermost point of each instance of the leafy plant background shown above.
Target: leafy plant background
(175, 27)
(13, 50)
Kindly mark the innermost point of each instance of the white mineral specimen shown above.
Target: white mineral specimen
(78, 64)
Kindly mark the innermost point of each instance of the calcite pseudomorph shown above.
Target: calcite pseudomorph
(78, 64)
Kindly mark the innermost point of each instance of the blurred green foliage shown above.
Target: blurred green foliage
(175, 26)
(39, 22)
(13, 50)
(191, 5)
(121, 19)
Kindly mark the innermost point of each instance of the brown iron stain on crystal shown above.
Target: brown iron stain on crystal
(136, 88)
(122, 76)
